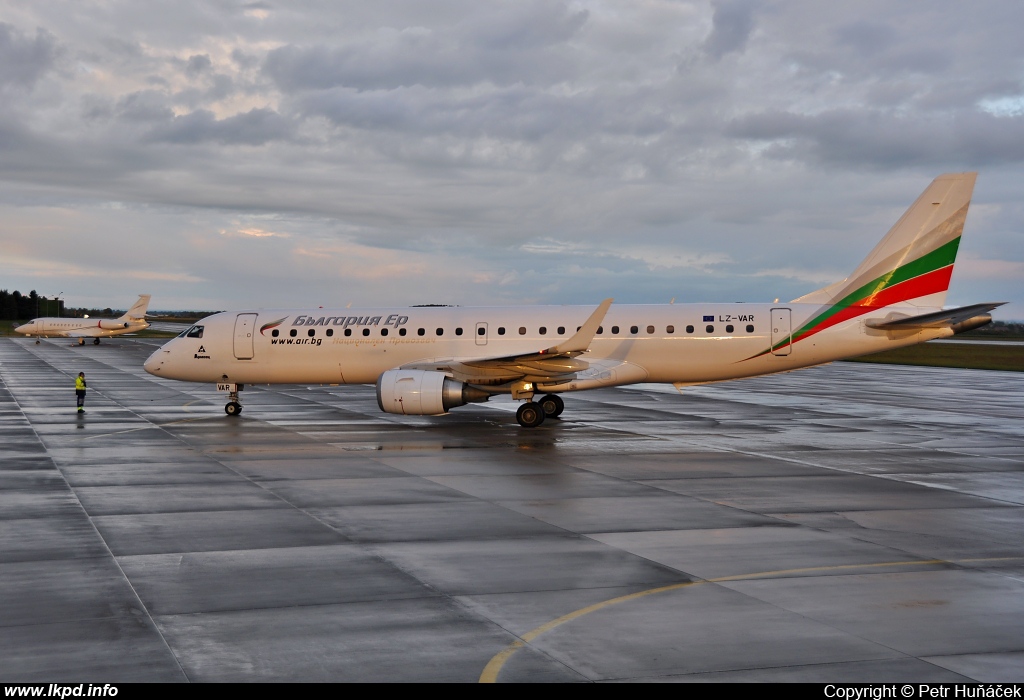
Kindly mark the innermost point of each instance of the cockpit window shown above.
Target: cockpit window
(194, 332)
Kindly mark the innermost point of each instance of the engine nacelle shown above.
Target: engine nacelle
(417, 392)
(112, 325)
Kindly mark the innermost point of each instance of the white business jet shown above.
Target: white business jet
(428, 360)
(132, 321)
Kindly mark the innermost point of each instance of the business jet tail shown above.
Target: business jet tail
(913, 264)
(138, 310)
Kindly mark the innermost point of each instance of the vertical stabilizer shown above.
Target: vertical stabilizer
(914, 262)
(138, 310)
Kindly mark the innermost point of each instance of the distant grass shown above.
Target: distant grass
(936, 354)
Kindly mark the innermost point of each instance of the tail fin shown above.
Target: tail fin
(138, 310)
(914, 262)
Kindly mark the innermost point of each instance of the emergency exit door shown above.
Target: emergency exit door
(244, 326)
(782, 331)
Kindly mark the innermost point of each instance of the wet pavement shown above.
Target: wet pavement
(846, 523)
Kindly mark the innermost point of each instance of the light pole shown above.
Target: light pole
(58, 303)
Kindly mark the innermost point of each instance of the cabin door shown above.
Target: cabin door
(244, 326)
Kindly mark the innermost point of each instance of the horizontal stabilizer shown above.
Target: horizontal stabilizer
(938, 319)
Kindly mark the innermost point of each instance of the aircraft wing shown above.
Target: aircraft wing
(556, 363)
(937, 319)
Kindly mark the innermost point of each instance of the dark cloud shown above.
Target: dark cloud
(24, 59)
(145, 106)
(517, 43)
(254, 128)
(970, 139)
(731, 26)
(198, 64)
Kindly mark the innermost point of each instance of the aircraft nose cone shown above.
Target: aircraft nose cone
(155, 362)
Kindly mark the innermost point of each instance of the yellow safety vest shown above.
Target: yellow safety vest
(79, 384)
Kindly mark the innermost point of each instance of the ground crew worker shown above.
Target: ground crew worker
(80, 391)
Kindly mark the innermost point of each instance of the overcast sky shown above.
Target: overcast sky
(222, 154)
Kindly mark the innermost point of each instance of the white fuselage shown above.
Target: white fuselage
(676, 343)
(80, 327)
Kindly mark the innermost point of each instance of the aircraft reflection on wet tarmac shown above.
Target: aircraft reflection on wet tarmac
(852, 522)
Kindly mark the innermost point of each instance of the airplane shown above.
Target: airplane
(131, 321)
(429, 360)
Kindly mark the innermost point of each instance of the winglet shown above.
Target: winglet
(585, 335)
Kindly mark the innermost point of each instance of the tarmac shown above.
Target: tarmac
(847, 523)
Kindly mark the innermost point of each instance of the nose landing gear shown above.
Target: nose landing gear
(232, 407)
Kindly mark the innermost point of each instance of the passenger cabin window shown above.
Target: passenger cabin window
(689, 329)
(292, 333)
(440, 331)
(750, 329)
(501, 330)
(366, 331)
(197, 332)
(420, 331)
(311, 332)
(650, 330)
(383, 331)
(330, 332)
(481, 330)
(348, 332)
(600, 330)
(615, 329)
(401, 331)
(670, 329)
(543, 330)
(275, 333)
(458, 331)
(561, 330)
(522, 330)
(633, 330)
(729, 328)
(710, 329)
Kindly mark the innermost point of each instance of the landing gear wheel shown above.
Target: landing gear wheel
(233, 408)
(530, 415)
(81, 341)
(552, 405)
(95, 341)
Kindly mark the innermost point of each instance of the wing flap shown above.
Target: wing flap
(946, 318)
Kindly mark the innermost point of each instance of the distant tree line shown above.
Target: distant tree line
(1000, 328)
(15, 306)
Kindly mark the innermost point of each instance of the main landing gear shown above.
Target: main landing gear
(531, 414)
(95, 341)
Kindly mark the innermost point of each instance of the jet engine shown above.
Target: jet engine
(417, 392)
(113, 325)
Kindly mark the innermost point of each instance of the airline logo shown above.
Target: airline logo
(272, 325)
